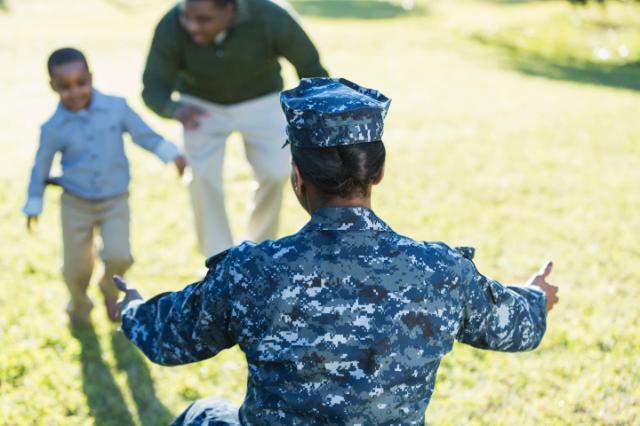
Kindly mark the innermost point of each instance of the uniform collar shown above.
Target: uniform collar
(98, 103)
(345, 219)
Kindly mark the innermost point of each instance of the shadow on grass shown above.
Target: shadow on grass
(625, 76)
(106, 403)
(513, 2)
(128, 359)
(359, 9)
(620, 76)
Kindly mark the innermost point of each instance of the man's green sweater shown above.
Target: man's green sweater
(243, 66)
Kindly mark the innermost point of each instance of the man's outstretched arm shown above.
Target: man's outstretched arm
(505, 318)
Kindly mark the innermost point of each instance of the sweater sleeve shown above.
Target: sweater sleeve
(293, 43)
(163, 63)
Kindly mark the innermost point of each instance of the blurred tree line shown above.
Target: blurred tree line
(601, 2)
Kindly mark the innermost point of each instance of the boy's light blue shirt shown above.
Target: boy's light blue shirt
(94, 164)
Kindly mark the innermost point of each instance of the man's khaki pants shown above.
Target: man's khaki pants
(79, 219)
(262, 126)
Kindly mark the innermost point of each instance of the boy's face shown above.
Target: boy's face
(73, 82)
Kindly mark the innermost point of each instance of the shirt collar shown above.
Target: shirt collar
(346, 219)
(98, 103)
(220, 37)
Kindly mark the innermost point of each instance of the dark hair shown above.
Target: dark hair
(344, 170)
(63, 56)
(219, 3)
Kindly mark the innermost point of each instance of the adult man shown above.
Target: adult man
(345, 321)
(221, 56)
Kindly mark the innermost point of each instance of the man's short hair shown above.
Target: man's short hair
(63, 56)
(219, 3)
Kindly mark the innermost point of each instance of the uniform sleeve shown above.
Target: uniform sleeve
(162, 66)
(147, 138)
(295, 45)
(185, 326)
(47, 149)
(499, 317)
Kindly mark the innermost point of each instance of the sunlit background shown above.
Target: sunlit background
(514, 128)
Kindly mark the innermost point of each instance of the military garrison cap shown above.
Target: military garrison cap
(325, 112)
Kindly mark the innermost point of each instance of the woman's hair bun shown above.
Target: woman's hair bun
(343, 170)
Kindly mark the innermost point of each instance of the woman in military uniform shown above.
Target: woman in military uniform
(345, 321)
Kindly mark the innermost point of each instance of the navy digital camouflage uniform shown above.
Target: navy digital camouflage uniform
(344, 322)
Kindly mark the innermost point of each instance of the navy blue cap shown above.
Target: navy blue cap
(324, 112)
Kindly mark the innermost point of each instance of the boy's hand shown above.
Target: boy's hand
(540, 280)
(130, 294)
(32, 221)
(181, 164)
(189, 116)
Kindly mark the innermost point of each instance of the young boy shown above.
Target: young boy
(87, 129)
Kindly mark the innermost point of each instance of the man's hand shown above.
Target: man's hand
(189, 116)
(540, 280)
(130, 294)
(181, 164)
(32, 221)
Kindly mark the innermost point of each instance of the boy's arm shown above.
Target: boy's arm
(498, 317)
(293, 43)
(147, 138)
(39, 174)
(185, 326)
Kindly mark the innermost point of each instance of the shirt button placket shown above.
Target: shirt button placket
(93, 154)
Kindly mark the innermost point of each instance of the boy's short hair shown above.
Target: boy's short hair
(64, 56)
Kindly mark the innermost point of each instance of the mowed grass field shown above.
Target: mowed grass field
(523, 163)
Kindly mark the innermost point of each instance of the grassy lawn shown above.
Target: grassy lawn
(508, 131)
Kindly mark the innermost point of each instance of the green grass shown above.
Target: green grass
(593, 45)
(481, 151)
(349, 9)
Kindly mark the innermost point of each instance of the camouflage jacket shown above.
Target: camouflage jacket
(344, 322)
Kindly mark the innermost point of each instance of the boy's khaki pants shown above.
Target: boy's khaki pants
(79, 219)
(261, 123)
